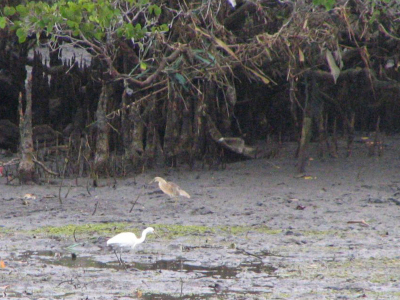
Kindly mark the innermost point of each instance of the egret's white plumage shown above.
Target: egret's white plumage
(127, 241)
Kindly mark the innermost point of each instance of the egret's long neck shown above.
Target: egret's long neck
(143, 237)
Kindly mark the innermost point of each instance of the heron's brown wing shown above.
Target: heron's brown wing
(183, 193)
(174, 190)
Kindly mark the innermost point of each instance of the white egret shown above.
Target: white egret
(127, 241)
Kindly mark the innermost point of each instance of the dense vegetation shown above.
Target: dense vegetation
(197, 80)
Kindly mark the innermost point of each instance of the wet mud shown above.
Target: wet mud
(255, 230)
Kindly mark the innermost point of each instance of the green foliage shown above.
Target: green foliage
(129, 31)
(9, 11)
(327, 3)
(155, 9)
(3, 22)
(22, 34)
(161, 28)
(82, 19)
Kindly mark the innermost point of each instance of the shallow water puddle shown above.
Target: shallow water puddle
(178, 265)
(24, 295)
(71, 261)
(223, 272)
(221, 295)
(150, 296)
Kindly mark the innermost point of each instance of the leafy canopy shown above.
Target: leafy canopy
(83, 19)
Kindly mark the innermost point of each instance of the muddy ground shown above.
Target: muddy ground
(252, 231)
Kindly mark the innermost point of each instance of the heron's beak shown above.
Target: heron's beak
(152, 181)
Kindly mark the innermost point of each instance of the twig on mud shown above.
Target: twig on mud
(189, 248)
(144, 282)
(74, 235)
(62, 180)
(248, 253)
(263, 253)
(69, 189)
(181, 287)
(59, 192)
(361, 222)
(76, 285)
(95, 207)
(137, 198)
(66, 281)
(87, 188)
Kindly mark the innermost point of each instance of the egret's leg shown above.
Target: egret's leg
(116, 255)
(120, 258)
(120, 255)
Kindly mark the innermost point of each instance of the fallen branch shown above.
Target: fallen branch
(14, 161)
(137, 198)
(248, 253)
(361, 222)
(44, 167)
(95, 207)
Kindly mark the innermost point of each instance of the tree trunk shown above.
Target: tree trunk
(125, 123)
(102, 139)
(306, 128)
(304, 141)
(350, 133)
(172, 131)
(136, 146)
(26, 168)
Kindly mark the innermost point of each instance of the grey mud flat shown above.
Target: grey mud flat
(255, 230)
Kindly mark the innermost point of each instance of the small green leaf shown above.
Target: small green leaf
(3, 22)
(41, 24)
(164, 27)
(94, 18)
(207, 62)
(182, 81)
(33, 19)
(154, 9)
(143, 66)
(9, 11)
(72, 24)
(327, 3)
(22, 34)
(73, 6)
(22, 10)
(120, 32)
(89, 7)
(157, 10)
(99, 35)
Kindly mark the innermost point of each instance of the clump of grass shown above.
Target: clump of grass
(86, 229)
(169, 231)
